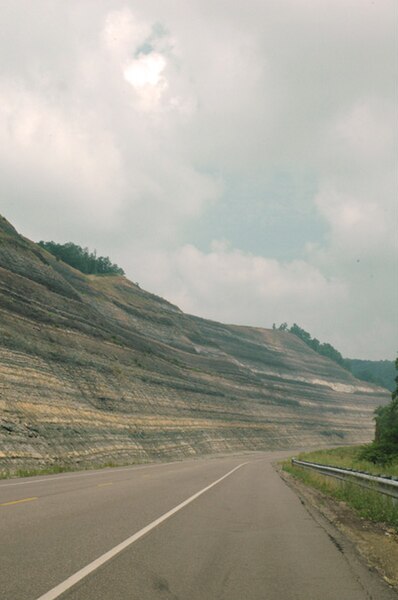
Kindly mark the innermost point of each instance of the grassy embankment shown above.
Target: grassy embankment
(369, 504)
(55, 469)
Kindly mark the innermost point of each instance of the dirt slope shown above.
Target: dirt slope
(95, 369)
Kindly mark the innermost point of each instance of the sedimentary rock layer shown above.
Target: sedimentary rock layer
(93, 369)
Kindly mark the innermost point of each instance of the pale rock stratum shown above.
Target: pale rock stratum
(94, 369)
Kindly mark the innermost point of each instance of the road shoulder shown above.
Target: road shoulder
(364, 544)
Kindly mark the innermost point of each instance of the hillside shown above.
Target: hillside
(94, 369)
(379, 372)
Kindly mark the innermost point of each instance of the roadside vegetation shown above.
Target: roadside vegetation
(351, 457)
(384, 448)
(58, 468)
(367, 503)
(380, 457)
(52, 470)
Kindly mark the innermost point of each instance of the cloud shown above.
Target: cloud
(228, 284)
(93, 149)
(122, 32)
(146, 71)
(132, 127)
(47, 157)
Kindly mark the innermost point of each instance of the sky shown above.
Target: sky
(235, 157)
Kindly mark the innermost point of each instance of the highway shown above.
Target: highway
(225, 528)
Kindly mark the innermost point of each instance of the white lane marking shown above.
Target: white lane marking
(98, 562)
(52, 478)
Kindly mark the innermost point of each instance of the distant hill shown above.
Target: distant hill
(94, 369)
(379, 372)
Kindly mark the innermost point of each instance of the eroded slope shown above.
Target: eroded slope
(95, 369)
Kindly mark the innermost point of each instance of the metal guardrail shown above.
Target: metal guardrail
(384, 485)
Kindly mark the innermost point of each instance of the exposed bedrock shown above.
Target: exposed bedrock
(94, 370)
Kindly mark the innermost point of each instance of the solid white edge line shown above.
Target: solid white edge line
(98, 562)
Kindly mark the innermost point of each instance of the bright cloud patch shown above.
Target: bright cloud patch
(145, 120)
(145, 76)
(146, 70)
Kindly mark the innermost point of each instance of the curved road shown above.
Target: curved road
(217, 528)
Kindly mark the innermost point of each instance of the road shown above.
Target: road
(224, 528)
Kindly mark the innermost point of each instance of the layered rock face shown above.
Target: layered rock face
(94, 369)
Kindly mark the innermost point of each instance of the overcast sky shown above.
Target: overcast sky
(234, 156)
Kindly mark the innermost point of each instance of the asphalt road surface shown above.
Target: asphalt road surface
(209, 529)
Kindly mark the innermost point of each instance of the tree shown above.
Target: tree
(82, 259)
(384, 448)
(301, 333)
(324, 349)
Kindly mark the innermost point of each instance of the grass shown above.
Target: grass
(349, 457)
(59, 468)
(367, 503)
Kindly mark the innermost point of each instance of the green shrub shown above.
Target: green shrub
(82, 259)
